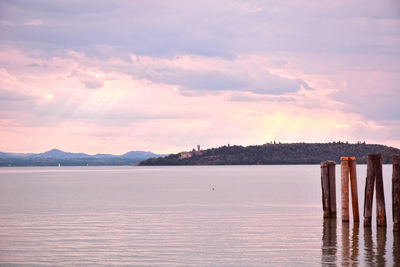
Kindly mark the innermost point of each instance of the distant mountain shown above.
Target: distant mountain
(104, 156)
(296, 153)
(4, 155)
(139, 154)
(55, 157)
(58, 154)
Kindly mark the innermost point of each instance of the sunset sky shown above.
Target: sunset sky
(164, 76)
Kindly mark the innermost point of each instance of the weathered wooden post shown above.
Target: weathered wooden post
(369, 190)
(380, 194)
(374, 173)
(332, 188)
(354, 191)
(396, 193)
(344, 166)
(325, 189)
(328, 185)
(348, 169)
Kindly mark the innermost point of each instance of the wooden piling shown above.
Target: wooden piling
(380, 195)
(332, 188)
(354, 191)
(369, 189)
(328, 189)
(325, 189)
(345, 188)
(396, 193)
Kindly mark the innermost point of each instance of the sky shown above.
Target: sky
(165, 76)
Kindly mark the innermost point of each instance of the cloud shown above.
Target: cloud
(295, 70)
(199, 80)
(274, 84)
(92, 83)
(61, 6)
(374, 94)
(246, 97)
(89, 80)
(34, 22)
(202, 74)
(210, 29)
(249, 7)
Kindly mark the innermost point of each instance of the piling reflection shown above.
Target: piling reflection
(354, 244)
(329, 242)
(375, 256)
(345, 244)
(381, 246)
(367, 249)
(396, 248)
(368, 245)
(350, 244)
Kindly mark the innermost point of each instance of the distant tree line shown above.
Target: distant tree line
(277, 153)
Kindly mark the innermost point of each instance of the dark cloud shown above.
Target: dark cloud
(33, 65)
(10, 99)
(199, 80)
(89, 81)
(215, 80)
(92, 84)
(274, 84)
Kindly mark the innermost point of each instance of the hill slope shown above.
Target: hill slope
(296, 153)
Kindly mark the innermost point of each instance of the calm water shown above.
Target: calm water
(171, 216)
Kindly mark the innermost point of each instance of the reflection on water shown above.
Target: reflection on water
(368, 245)
(349, 246)
(354, 244)
(396, 248)
(375, 255)
(169, 216)
(329, 243)
(345, 244)
(380, 246)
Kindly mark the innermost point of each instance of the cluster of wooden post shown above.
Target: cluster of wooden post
(374, 179)
(374, 176)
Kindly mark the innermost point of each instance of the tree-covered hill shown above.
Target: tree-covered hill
(296, 153)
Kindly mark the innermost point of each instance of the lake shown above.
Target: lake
(184, 216)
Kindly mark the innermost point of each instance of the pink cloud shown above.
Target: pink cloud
(129, 111)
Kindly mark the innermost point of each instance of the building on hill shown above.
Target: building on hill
(189, 154)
